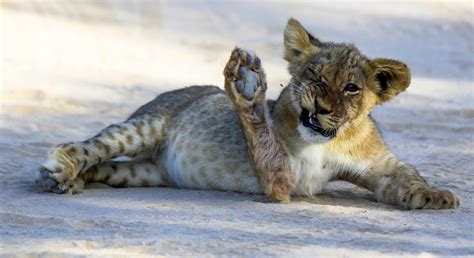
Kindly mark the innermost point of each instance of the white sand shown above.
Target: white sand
(67, 71)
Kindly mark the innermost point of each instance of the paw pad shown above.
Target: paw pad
(248, 74)
(245, 78)
(249, 83)
(49, 184)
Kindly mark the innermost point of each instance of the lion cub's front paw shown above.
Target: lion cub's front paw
(58, 172)
(245, 78)
(430, 198)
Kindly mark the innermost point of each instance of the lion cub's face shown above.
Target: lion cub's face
(334, 85)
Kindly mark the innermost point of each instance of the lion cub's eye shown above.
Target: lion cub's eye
(351, 88)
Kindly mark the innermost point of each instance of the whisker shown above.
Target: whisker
(332, 120)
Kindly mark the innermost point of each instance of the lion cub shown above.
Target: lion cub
(201, 137)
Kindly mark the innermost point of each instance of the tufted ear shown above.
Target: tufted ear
(390, 78)
(299, 44)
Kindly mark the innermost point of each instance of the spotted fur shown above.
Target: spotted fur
(204, 138)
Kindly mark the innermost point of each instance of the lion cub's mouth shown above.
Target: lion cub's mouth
(311, 121)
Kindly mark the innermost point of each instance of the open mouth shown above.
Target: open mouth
(311, 121)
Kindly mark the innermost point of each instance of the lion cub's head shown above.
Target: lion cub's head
(333, 86)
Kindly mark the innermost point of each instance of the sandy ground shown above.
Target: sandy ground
(68, 70)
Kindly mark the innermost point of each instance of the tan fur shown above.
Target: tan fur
(268, 155)
(318, 130)
(298, 45)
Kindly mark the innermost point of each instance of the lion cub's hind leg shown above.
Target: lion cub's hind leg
(137, 136)
(135, 173)
(246, 85)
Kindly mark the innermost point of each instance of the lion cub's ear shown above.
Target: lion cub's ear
(389, 77)
(299, 44)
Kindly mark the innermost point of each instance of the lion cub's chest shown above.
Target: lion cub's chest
(315, 166)
(312, 172)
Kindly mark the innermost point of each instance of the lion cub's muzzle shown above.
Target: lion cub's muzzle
(310, 120)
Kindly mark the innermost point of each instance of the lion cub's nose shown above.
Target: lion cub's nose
(321, 110)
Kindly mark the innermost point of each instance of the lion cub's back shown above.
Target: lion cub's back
(206, 149)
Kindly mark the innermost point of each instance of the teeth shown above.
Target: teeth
(312, 119)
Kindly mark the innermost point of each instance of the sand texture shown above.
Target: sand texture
(69, 69)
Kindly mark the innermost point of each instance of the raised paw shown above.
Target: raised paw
(245, 78)
(58, 172)
(430, 198)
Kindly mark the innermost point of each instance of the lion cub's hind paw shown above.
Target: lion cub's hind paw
(49, 184)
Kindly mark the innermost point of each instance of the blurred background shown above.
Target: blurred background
(70, 68)
(109, 56)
